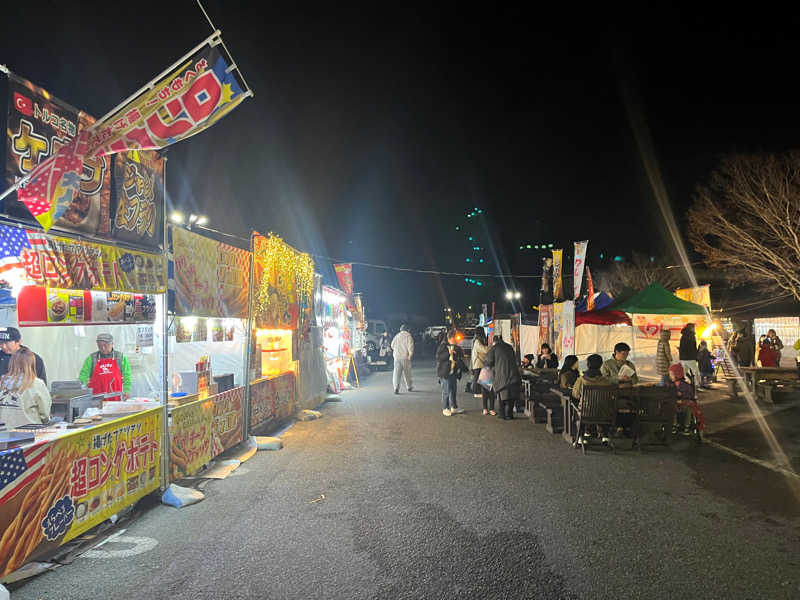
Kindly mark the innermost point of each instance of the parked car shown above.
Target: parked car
(375, 331)
(432, 332)
(467, 335)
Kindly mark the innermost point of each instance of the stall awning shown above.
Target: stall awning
(601, 301)
(655, 300)
(602, 317)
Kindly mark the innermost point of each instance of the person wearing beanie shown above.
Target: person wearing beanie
(591, 376)
(686, 402)
(10, 342)
(107, 370)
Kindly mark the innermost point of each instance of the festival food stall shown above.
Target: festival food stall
(336, 336)
(208, 310)
(649, 312)
(280, 309)
(100, 452)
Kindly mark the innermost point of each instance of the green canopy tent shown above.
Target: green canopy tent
(656, 300)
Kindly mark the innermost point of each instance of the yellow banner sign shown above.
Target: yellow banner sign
(699, 295)
(59, 262)
(56, 490)
(190, 434)
(211, 278)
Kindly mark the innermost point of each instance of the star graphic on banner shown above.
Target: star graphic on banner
(227, 93)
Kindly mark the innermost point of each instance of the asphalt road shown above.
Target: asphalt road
(418, 505)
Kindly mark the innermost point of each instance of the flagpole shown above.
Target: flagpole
(224, 47)
(149, 86)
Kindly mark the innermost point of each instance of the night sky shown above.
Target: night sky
(372, 134)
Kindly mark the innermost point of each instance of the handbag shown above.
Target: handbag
(485, 378)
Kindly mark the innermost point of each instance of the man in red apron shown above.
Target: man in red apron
(107, 370)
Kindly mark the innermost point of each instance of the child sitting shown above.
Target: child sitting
(686, 402)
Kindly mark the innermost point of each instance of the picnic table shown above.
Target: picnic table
(763, 381)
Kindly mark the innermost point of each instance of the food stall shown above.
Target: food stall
(208, 308)
(336, 336)
(280, 310)
(100, 452)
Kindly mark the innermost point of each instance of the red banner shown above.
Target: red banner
(344, 273)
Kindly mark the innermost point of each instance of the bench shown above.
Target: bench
(772, 390)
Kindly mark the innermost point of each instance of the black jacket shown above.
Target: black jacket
(704, 361)
(40, 372)
(688, 347)
(443, 361)
(547, 363)
(503, 361)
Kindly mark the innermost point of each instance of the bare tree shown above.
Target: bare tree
(637, 274)
(746, 220)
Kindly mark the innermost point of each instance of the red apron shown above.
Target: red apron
(106, 377)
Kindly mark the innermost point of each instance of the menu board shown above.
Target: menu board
(52, 306)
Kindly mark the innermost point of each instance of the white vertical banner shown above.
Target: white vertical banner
(580, 263)
(568, 329)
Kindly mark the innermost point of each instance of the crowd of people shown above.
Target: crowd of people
(496, 376)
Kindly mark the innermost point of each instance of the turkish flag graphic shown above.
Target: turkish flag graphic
(23, 104)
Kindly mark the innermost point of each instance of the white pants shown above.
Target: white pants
(402, 365)
(691, 365)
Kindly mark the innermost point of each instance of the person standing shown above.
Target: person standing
(402, 353)
(663, 356)
(506, 379)
(107, 370)
(705, 365)
(24, 397)
(480, 349)
(687, 352)
(744, 348)
(10, 343)
(777, 345)
(449, 366)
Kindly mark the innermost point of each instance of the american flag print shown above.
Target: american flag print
(54, 182)
(19, 467)
(12, 242)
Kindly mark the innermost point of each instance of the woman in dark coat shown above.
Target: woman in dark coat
(506, 379)
(569, 372)
(547, 360)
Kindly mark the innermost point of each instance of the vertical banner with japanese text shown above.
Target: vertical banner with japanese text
(57, 489)
(568, 329)
(38, 126)
(558, 328)
(344, 273)
(545, 323)
(580, 261)
(558, 291)
(138, 198)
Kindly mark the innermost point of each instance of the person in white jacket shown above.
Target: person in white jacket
(402, 353)
(24, 397)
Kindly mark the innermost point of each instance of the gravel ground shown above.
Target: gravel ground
(418, 505)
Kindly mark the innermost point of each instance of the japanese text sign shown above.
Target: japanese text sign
(72, 264)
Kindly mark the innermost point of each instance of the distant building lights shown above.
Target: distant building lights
(528, 246)
(550, 245)
(469, 260)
